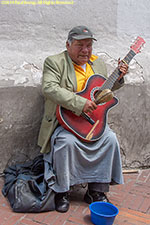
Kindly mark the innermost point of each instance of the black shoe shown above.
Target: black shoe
(94, 196)
(62, 202)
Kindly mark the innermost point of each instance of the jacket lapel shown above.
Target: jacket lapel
(71, 73)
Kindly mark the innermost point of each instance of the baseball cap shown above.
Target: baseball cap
(80, 32)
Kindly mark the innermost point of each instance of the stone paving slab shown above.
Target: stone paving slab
(132, 199)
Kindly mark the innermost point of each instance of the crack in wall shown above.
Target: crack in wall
(27, 74)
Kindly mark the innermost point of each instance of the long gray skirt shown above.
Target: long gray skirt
(72, 161)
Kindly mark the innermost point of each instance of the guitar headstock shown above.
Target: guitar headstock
(137, 45)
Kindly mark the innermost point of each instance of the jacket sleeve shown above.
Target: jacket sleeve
(51, 88)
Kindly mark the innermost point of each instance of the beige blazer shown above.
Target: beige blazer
(59, 86)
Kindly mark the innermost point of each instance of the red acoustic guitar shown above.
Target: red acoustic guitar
(90, 127)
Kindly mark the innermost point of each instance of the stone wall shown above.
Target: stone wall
(31, 32)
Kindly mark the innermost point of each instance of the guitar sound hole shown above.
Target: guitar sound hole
(96, 93)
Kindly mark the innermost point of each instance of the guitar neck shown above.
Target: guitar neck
(109, 83)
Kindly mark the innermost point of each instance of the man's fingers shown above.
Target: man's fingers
(123, 67)
(89, 106)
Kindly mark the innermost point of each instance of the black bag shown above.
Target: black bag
(26, 189)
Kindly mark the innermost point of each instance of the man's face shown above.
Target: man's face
(80, 51)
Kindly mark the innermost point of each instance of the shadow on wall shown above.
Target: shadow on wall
(21, 114)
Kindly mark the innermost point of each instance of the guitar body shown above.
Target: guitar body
(78, 125)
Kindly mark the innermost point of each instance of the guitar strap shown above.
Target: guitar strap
(91, 64)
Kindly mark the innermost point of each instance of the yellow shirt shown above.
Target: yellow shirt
(82, 75)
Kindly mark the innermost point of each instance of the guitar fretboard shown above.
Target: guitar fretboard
(109, 83)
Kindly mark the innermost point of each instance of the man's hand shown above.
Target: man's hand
(89, 106)
(123, 67)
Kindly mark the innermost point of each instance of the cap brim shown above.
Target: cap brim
(81, 37)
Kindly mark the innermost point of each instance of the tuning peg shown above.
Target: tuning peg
(141, 48)
(132, 41)
(134, 38)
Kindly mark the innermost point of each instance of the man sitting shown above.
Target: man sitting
(74, 161)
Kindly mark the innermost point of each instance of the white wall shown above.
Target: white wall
(29, 33)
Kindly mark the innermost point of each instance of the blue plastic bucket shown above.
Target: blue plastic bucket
(103, 213)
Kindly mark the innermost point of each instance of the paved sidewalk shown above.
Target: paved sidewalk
(132, 199)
